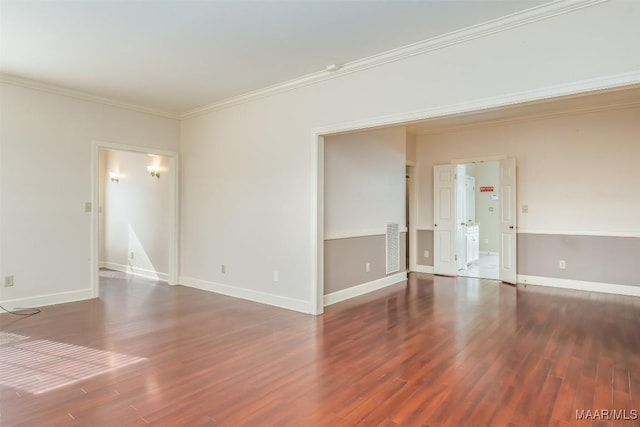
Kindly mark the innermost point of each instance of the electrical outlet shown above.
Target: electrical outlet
(367, 267)
(562, 264)
(8, 281)
(525, 208)
(276, 276)
(223, 269)
(426, 254)
(87, 207)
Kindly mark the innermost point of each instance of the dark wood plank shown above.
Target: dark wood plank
(429, 352)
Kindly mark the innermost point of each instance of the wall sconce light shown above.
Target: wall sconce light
(114, 177)
(154, 170)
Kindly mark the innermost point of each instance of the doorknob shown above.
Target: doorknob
(435, 225)
(511, 227)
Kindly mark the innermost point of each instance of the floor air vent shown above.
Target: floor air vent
(393, 248)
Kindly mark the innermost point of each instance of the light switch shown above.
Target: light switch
(87, 207)
(525, 208)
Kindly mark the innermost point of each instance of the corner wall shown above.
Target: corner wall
(46, 180)
(364, 189)
(576, 174)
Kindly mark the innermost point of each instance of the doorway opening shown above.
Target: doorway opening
(478, 220)
(135, 219)
(456, 243)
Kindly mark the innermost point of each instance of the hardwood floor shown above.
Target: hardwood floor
(434, 351)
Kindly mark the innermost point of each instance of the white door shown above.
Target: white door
(461, 222)
(444, 220)
(508, 221)
(469, 188)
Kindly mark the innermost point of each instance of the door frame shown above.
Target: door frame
(174, 198)
(412, 236)
(483, 159)
(317, 134)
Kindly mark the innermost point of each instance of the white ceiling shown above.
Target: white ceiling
(178, 55)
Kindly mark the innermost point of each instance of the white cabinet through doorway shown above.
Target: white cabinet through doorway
(473, 243)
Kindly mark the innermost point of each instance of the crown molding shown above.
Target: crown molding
(567, 89)
(528, 117)
(538, 13)
(534, 14)
(58, 90)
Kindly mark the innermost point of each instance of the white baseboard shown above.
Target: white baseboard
(607, 288)
(247, 294)
(364, 288)
(48, 299)
(142, 272)
(428, 269)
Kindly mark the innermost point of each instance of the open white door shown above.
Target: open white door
(444, 220)
(508, 227)
(461, 220)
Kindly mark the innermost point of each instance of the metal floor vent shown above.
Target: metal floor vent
(393, 247)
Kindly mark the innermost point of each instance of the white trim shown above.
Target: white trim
(84, 96)
(567, 89)
(359, 233)
(498, 25)
(317, 225)
(607, 288)
(136, 271)
(412, 235)
(364, 288)
(529, 117)
(581, 233)
(48, 299)
(174, 216)
(494, 26)
(478, 159)
(247, 294)
(489, 253)
(427, 269)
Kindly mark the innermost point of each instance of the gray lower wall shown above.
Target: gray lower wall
(602, 259)
(345, 260)
(425, 243)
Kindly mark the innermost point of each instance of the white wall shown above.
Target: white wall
(487, 210)
(411, 147)
(365, 184)
(576, 173)
(46, 179)
(136, 213)
(248, 189)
